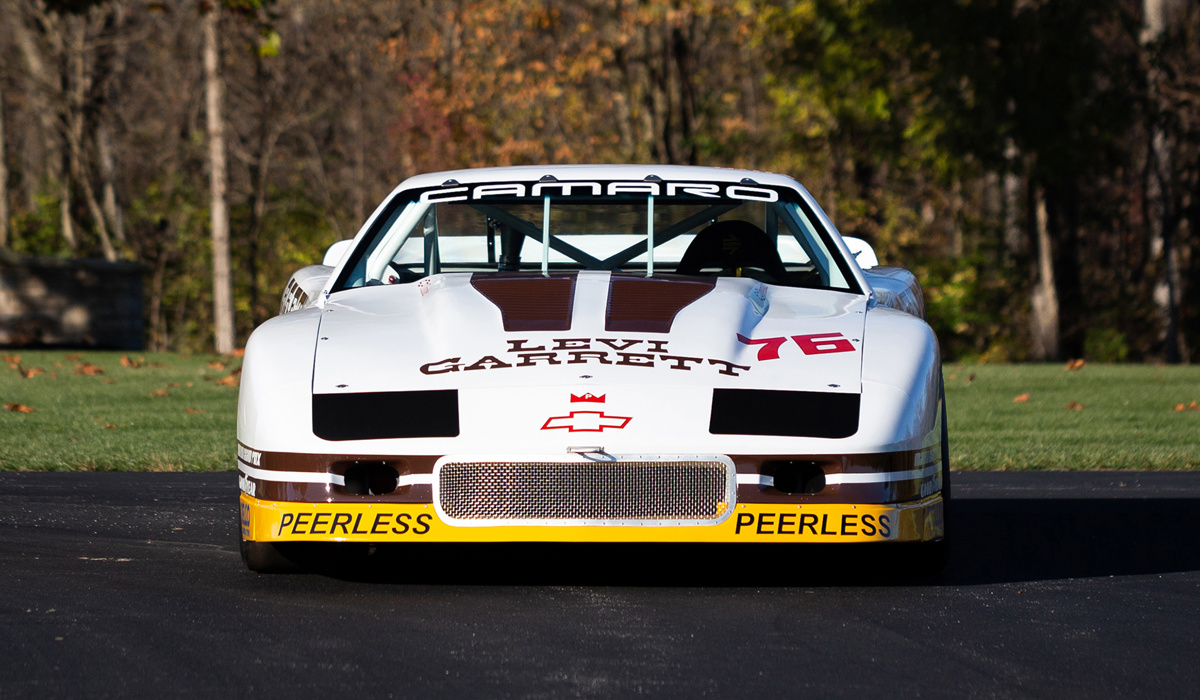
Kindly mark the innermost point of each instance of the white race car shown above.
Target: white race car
(593, 354)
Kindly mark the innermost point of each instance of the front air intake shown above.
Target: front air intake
(697, 491)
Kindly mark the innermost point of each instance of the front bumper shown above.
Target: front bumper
(283, 521)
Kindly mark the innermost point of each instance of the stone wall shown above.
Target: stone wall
(78, 303)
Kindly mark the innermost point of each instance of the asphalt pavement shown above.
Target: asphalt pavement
(1059, 585)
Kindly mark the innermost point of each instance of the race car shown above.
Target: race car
(579, 354)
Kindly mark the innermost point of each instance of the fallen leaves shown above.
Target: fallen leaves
(131, 363)
(194, 410)
(233, 379)
(1023, 398)
(217, 365)
(12, 359)
(1193, 406)
(87, 368)
(1075, 406)
(31, 372)
(159, 392)
(1075, 364)
(18, 408)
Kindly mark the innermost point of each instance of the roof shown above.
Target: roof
(533, 173)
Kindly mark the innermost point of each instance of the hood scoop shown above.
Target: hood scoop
(529, 303)
(650, 305)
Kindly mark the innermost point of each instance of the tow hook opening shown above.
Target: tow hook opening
(371, 478)
(796, 476)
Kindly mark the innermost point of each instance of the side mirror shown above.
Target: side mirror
(337, 251)
(862, 251)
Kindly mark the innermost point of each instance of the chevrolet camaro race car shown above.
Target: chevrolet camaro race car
(649, 354)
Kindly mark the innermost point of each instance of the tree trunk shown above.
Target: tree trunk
(358, 140)
(1044, 299)
(112, 212)
(3, 180)
(1162, 215)
(43, 90)
(223, 327)
(1013, 236)
(78, 81)
(113, 63)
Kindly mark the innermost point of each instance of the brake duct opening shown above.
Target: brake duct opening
(371, 478)
(796, 476)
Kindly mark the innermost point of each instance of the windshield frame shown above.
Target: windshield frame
(400, 214)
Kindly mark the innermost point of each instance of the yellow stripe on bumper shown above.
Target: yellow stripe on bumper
(275, 521)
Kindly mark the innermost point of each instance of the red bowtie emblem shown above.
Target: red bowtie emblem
(586, 422)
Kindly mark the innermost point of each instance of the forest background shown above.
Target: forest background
(1035, 162)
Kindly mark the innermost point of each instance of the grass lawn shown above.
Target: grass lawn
(1127, 420)
(176, 413)
(168, 413)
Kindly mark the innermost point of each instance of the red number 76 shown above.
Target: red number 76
(815, 344)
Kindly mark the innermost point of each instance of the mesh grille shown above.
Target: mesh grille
(588, 491)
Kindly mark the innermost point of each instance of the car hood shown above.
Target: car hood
(588, 331)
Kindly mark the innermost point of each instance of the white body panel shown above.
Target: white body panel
(377, 339)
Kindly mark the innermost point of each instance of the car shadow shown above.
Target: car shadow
(994, 541)
(1010, 540)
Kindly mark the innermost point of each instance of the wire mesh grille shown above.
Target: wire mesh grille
(589, 491)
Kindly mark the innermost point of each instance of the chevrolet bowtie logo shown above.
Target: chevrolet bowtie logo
(586, 422)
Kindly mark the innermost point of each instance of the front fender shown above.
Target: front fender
(275, 398)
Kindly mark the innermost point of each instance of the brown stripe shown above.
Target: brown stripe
(649, 305)
(894, 492)
(530, 302)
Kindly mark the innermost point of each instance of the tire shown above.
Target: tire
(945, 447)
(933, 556)
(265, 558)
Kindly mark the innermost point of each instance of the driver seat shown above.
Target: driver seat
(733, 244)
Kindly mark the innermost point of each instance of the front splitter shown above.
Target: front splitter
(279, 521)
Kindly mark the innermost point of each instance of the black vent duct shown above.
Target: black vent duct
(787, 413)
(388, 414)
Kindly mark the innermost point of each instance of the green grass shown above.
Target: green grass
(1128, 420)
(111, 420)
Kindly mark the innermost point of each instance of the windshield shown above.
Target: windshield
(649, 228)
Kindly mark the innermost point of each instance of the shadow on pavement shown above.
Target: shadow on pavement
(1002, 540)
(994, 541)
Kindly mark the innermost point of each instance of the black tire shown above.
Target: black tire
(265, 558)
(934, 555)
(945, 447)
